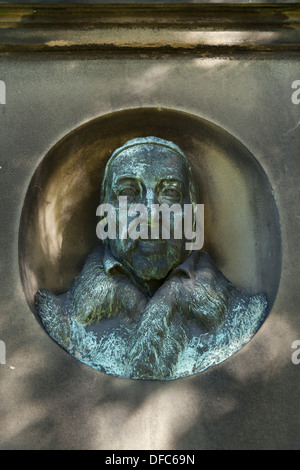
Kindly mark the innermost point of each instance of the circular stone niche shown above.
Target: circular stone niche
(58, 223)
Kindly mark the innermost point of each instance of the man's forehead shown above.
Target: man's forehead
(145, 160)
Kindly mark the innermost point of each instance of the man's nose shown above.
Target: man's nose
(150, 198)
(154, 215)
(150, 201)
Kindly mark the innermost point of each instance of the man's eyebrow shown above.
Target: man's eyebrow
(171, 179)
(124, 179)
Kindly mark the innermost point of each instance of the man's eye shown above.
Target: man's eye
(171, 193)
(129, 192)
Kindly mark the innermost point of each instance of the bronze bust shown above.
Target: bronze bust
(147, 306)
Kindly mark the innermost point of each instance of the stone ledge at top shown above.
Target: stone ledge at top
(107, 2)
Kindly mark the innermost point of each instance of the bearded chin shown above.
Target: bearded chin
(154, 264)
(150, 268)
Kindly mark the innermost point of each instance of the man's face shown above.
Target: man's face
(148, 174)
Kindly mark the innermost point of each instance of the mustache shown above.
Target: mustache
(149, 246)
(155, 229)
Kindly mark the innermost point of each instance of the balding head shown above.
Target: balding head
(129, 155)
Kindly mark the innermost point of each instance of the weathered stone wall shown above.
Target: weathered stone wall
(51, 401)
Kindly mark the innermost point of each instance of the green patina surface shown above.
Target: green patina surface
(150, 309)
